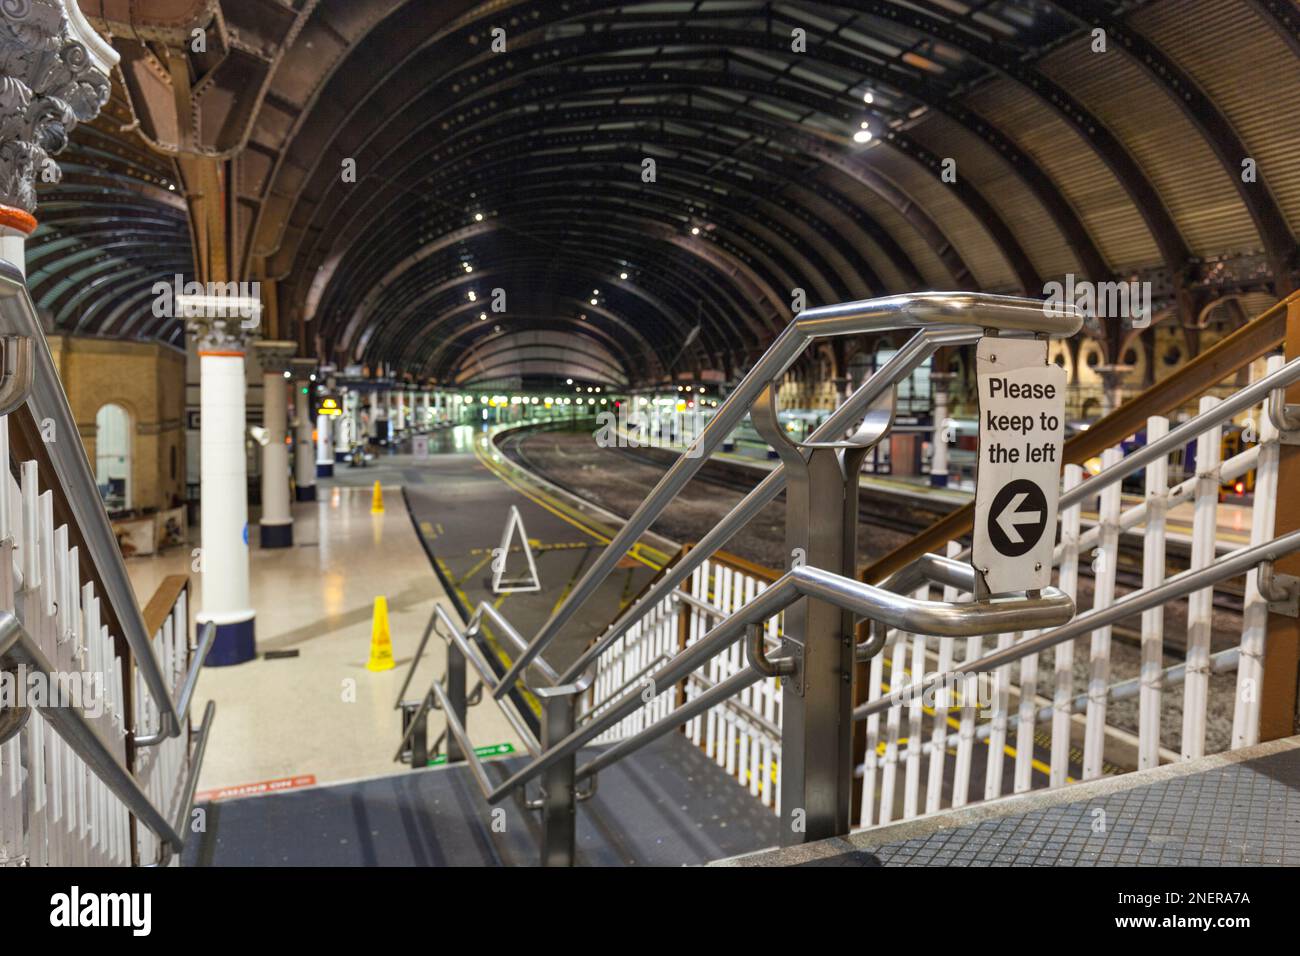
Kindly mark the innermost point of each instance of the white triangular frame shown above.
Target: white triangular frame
(531, 583)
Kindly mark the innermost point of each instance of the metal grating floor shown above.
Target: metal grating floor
(1239, 809)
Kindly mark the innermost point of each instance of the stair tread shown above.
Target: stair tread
(665, 805)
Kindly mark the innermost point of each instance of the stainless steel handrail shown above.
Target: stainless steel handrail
(19, 368)
(927, 568)
(207, 634)
(939, 310)
(486, 676)
(717, 694)
(1228, 566)
(457, 730)
(923, 617)
(1177, 437)
(191, 783)
(48, 401)
(472, 627)
(69, 723)
(901, 364)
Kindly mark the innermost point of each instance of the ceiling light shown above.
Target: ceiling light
(867, 97)
(695, 230)
(478, 217)
(862, 136)
(622, 275)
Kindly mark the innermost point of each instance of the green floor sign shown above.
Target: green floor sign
(491, 750)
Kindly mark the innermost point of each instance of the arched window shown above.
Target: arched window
(113, 456)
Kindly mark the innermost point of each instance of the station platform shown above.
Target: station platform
(460, 498)
(1233, 809)
(307, 710)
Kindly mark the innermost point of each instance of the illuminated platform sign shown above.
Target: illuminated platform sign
(1021, 436)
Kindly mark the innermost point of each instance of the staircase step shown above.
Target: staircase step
(667, 805)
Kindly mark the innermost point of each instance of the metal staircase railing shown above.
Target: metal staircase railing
(104, 771)
(927, 684)
(820, 598)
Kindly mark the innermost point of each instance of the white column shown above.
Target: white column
(343, 427)
(224, 491)
(276, 524)
(304, 451)
(939, 435)
(13, 240)
(324, 446)
(376, 432)
(352, 414)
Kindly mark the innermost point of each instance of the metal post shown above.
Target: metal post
(456, 698)
(417, 712)
(420, 743)
(817, 717)
(558, 804)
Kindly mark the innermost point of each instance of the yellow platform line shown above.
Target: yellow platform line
(543, 500)
(533, 704)
(955, 724)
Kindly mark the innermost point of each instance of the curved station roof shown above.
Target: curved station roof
(633, 191)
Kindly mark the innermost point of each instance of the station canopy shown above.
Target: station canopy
(628, 192)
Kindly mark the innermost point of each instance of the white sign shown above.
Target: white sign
(420, 447)
(1022, 432)
(499, 555)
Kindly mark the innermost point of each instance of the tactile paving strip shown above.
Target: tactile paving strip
(1247, 814)
(1233, 809)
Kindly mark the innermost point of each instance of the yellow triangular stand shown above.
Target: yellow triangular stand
(381, 640)
(377, 500)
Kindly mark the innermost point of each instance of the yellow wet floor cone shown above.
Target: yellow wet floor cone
(377, 500)
(381, 640)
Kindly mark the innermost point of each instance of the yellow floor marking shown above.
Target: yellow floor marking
(533, 704)
(1007, 749)
(559, 510)
(478, 566)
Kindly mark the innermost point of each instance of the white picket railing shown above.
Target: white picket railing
(163, 769)
(54, 810)
(1041, 722)
(1059, 728)
(743, 734)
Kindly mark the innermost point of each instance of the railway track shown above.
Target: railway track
(883, 510)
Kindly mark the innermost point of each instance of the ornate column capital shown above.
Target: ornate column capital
(275, 355)
(53, 75)
(303, 368)
(213, 334)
